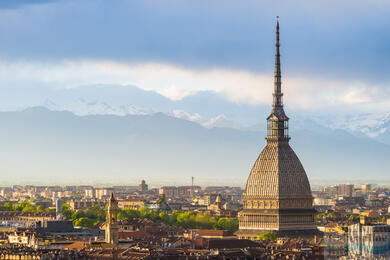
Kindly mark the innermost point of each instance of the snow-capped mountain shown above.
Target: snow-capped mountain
(208, 109)
(82, 107)
(376, 126)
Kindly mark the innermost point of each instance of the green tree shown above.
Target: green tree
(84, 222)
(122, 215)
(205, 220)
(330, 215)
(161, 199)
(164, 217)
(50, 210)
(28, 208)
(186, 219)
(96, 212)
(145, 212)
(266, 236)
(39, 208)
(132, 213)
(7, 206)
(227, 224)
(20, 206)
(66, 211)
(78, 214)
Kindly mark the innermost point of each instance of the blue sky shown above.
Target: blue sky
(335, 62)
(334, 55)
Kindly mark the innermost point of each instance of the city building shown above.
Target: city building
(24, 219)
(174, 192)
(344, 190)
(277, 196)
(366, 187)
(24, 239)
(85, 203)
(90, 193)
(368, 241)
(103, 193)
(124, 191)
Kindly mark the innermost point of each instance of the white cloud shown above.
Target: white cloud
(176, 82)
(360, 95)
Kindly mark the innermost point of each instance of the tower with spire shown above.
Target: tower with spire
(277, 121)
(111, 221)
(277, 196)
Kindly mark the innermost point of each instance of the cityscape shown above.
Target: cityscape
(70, 222)
(104, 157)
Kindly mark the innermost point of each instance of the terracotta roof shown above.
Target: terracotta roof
(78, 245)
(212, 232)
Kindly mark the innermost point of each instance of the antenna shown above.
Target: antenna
(192, 185)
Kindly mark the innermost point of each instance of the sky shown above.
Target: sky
(335, 54)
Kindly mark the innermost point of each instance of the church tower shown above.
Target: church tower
(277, 196)
(111, 221)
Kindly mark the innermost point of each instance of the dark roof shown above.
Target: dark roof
(26, 214)
(134, 235)
(225, 243)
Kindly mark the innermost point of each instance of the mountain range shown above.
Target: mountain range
(210, 109)
(41, 145)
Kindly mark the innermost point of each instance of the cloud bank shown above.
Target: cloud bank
(175, 82)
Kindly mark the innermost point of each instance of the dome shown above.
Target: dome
(277, 174)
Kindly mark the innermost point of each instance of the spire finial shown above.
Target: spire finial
(277, 76)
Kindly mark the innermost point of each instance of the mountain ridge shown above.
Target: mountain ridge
(57, 146)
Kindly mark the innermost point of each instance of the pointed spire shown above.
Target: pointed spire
(277, 126)
(277, 102)
(112, 198)
(218, 198)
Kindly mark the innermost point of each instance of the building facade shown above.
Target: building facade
(369, 241)
(277, 196)
(76, 204)
(131, 203)
(24, 219)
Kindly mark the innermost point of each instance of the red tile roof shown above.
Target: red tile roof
(78, 245)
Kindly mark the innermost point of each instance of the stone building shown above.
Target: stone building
(277, 196)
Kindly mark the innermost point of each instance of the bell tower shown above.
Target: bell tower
(111, 221)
